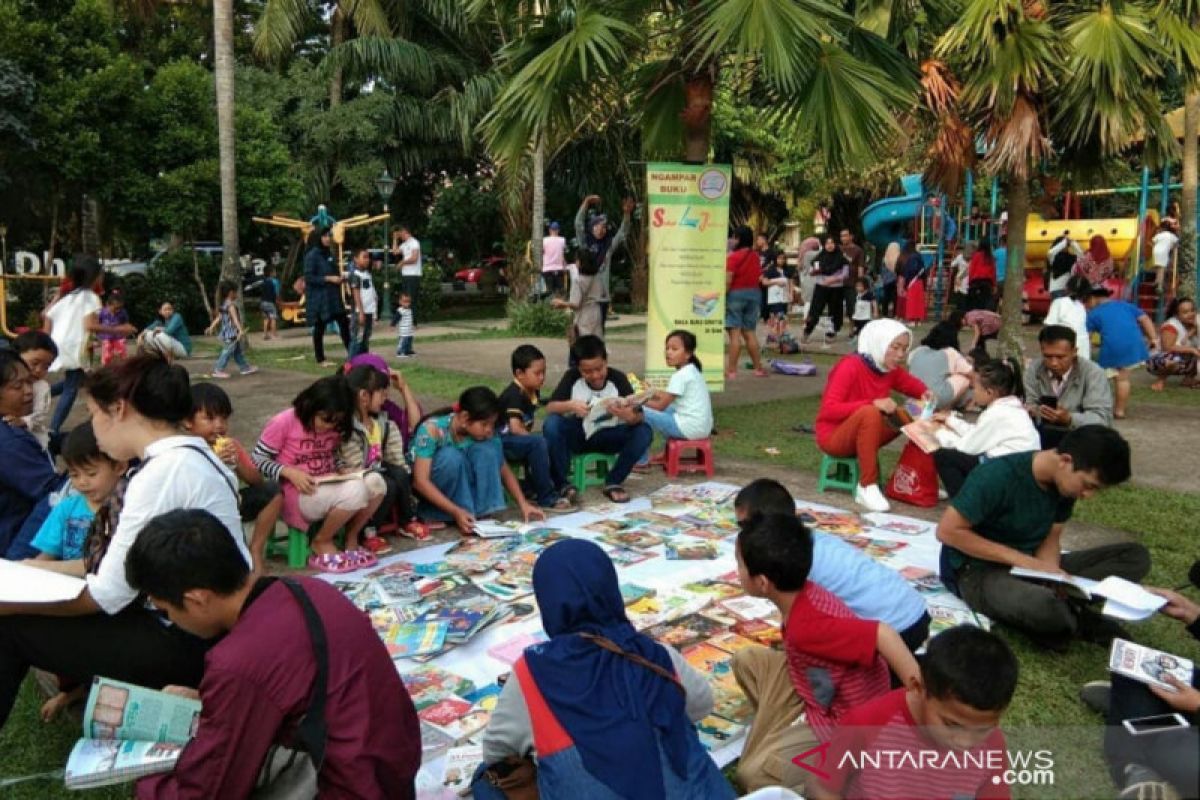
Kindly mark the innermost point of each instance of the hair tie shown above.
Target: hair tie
(456, 408)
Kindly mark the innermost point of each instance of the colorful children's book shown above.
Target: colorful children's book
(416, 639)
(632, 537)
(707, 659)
(732, 705)
(760, 631)
(468, 724)
(747, 607)
(718, 590)
(925, 581)
(681, 550)
(716, 732)
(631, 592)
(627, 557)
(427, 678)
(445, 711)
(731, 642)
(1148, 665)
(485, 697)
(461, 763)
(684, 632)
(839, 523)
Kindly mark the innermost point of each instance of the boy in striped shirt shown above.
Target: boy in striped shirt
(938, 740)
(835, 660)
(404, 316)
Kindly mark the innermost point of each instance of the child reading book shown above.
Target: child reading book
(1004, 426)
(38, 351)
(684, 410)
(377, 447)
(519, 403)
(950, 717)
(458, 463)
(836, 661)
(868, 588)
(261, 499)
(299, 448)
(231, 332)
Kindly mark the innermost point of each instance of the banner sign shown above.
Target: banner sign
(688, 212)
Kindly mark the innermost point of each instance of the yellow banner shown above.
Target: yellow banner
(688, 213)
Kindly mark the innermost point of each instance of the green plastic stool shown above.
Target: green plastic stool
(582, 473)
(844, 473)
(296, 547)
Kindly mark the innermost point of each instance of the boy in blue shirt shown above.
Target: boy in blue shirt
(1124, 330)
(519, 403)
(93, 477)
(869, 589)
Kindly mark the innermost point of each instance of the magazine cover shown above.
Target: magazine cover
(1148, 665)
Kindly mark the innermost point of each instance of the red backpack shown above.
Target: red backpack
(915, 479)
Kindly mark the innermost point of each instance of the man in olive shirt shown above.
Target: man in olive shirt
(1011, 513)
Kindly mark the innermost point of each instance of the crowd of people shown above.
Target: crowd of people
(154, 498)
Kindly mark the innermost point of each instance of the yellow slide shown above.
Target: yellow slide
(1040, 234)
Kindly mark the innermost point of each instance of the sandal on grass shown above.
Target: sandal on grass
(616, 494)
(335, 563)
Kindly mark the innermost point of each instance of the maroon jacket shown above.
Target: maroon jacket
(257, 684)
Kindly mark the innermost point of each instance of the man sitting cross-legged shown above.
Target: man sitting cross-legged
(1011, 513)
(622, 431)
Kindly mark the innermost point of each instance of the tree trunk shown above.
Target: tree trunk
(89, 227)
(697, 116)
(337, 35)
(539, 207)
(1187, 207)
(639, 275)
(223, 70)
(1014, 278)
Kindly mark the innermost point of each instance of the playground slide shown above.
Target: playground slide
(891, 219)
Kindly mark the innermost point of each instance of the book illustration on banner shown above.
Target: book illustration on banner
(925, 581)
(461, 763)
(1148, 665)
(691, 551)
(704, 304)
(839, 523)
(635, 538)
(129, 732)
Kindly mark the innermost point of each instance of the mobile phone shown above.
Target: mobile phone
(1048, 400)
(1143, 726)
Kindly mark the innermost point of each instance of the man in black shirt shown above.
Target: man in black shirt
(622, 430)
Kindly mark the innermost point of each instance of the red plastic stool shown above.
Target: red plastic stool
(702, 461)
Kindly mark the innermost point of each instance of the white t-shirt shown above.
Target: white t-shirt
(1164, 243)
(173, 476)
(66, 327)
(554, 250)
(862, 309)
(1071, 313)
(961, 267)
(364, 281)
(407, 248)
(693, 407)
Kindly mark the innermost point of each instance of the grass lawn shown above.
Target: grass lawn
(1045, 712)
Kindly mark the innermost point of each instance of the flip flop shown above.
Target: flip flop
(335, 563)
(616, 494)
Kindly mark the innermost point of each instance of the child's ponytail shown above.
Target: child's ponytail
(688, 340)
(1003, 377)
(479, 402)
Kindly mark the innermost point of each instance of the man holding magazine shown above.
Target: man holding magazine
(298, 668)
(1011, 512)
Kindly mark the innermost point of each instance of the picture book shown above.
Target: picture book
(609, 525)
(397, 589)
(434, 742)
(714, 530)
(902, 525)
(445, 711)
(416, 639)
(716, 589)
(461, 763)
(720, 616)
(925, 581)
(627, 557)
(733, 706)
(129, 732)
(1124, 599)
(747, 607)
(731, 642)
(716, 732)
(944, 617)
(429, 678)
(839, 523)
(631, 592)
(491, 529)
(760, 631)
(691, 551)
(707, 659)
(684, 632)
(469, 724)
(24, 584)
(1148, 665)
(878, 549)
(510, 650)
(485, 697)
(477, 555)
(633, 537)
(922, 433)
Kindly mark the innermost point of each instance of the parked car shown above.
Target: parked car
(126, 268)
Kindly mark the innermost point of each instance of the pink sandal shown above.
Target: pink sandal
(335, 563)
(360, 558)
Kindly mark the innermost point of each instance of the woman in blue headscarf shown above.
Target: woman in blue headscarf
(607, 711)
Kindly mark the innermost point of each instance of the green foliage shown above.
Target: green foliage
(431, 289)
(535, 319)
(172, 278)
(465, 218)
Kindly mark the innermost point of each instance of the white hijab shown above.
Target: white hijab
(877, 336)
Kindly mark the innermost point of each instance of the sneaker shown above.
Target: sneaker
(1143, 783)
(250, 371)
(218, 374)
(870, 498)
(1097, 695)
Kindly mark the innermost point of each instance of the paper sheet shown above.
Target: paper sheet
(22, 584)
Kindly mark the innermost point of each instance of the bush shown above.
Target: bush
(431, 289)
(171, 278)
(536, 319)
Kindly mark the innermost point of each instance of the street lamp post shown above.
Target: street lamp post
(4, 247)
(385, 184)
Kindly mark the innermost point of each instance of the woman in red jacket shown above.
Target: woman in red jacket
(858, 415)
(981, 277)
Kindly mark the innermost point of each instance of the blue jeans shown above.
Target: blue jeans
(360, 336)
(405, 346)
(663, 422)
(232, 350)
(469, 478)
(72, 380)
(533, 451)
(564, 436)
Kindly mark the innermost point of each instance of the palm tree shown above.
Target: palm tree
(1178, 26)
(1071, 83)
(223, 69)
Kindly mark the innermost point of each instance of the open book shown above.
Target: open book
(1148, 665)
(129, 732)
(24, 584)
(921, 433)
(338, 477)
(1124, 599)
(599, 417)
